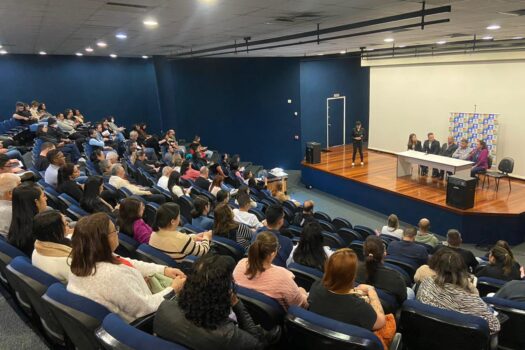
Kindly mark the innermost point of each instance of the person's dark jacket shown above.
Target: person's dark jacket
(408, 250)
(71, 188)
(468, 257)
(170, 323)
(496, 271)
(431, 148)
(447, 150)
(300, 219)
(416, 147)
(139, 164)
(41, 163)
(203, 183)
(56, 133)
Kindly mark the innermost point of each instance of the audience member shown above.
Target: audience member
(112, 157)
(93, 201)
(199, 213)
(449, 289)
(202, 181)
(174, 185)
(258, 273)
(463, 151)
(56, 160)
(41, 163)
(117, 283)
(242, 215)
(223, 197)
(187, 172)
(141, 163)
(224, 225)
(392, 227)
(454, 242)
(163, 180)
(310, 251)
(66, 181)
(61, 140)
(424, 236)
(408, 249)
(8, 182)
(501, 266)
(176, 244)
(306, 215)
(118, 180)
(217, 184)
(52, 248)
(8, 166)
(28, 200)
(208, 326)
(130, 220)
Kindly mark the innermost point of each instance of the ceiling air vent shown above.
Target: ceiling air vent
(458, 35)
(298, 17)
(122, 4)
(514, 13)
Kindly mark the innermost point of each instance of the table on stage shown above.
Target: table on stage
(406, 159)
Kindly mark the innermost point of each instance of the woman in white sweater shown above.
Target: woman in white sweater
(52, 248)
(118, 284)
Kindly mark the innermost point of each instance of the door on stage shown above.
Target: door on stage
(335, 121)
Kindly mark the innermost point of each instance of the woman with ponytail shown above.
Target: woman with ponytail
(501, 265)
(374, 273)
(199, 214)
(258, 273)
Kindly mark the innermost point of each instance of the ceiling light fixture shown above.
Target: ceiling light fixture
(150, 23)
(1, 46)
(121, 36)
(370, 49)
(89, 49)
(3, 52)
(493, 27)
(79, 54)
(113, 55)
(342, 52)
(320, 54)
(101, 44)
(145, 57)
(441, 42)
(487, 37)
(42, 53)
(401, 46)
(389, 40)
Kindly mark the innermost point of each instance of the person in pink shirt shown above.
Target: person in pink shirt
(257, 272)
(480, 157)
(130, 220)
(187, 172)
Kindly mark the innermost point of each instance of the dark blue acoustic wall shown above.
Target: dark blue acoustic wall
(240, 106)
(98, 86)
(322, 78)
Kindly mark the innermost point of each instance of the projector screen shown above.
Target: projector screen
(419, 98)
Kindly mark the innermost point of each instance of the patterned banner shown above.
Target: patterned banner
(476, 126)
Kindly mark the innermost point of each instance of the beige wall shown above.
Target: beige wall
(419, 98)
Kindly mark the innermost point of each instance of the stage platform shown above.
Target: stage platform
(375, 186)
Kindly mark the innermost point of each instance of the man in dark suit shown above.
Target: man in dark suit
(447, 150)
(430, 146)
(203, 181)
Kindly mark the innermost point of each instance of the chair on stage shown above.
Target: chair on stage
(505, 167)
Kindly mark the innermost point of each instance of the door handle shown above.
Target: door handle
(329, 124)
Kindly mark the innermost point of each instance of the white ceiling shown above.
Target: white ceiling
(68, 26)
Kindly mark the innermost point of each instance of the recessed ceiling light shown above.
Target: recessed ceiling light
(370, 49)
(121, 36)
(268, 23)
(113, 55)
(101, 44)
(145, 57)
(515, 38)
(487, 37)
(89, 49)
(401, 46)
(441, 42)
(320, 54)
(3, 52)
(389, 40)
(493, 27)
(342, 52)
(79, 54)
(150, 23)
(1, 46)
(42, 53)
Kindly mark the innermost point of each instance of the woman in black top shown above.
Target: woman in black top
(373, 271)
(66, 181)
(414, 144)
(310, 250)
(501, 266)
(358, 136)
(92, 202)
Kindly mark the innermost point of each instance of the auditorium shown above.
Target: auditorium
(262, 174)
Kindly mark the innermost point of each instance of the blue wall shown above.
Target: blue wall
(322, 78)
(98, 86)
(240, 106)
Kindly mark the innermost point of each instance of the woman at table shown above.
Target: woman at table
(414, 144)
(358, 136)
(480, 157)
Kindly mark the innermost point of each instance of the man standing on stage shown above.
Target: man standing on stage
(358, 136)
(430, 146)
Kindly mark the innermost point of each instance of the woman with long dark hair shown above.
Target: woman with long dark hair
(52, 248)
(257, 272)
(414, 144)
(199, 318)
(480, 157)
(174, 185)
(66, 181)
(199, 214)
(187, 172)
(216, 184)
(310, 250)
(501, 265)
(92, 202)
(224, 225)
(131, 222)
(28, 200)
(117, 283)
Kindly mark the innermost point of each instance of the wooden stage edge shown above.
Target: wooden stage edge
(379, 172)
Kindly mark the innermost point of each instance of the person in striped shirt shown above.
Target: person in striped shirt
(176, 244)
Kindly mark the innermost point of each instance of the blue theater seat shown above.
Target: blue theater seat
(225, 246)
(127, 246)
(488, 285)
(512, 335)
(340, 223)
(264, 310)
(147, 253)
(305, 276)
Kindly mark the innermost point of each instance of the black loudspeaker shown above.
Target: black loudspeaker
(461, 191)
(313, 152)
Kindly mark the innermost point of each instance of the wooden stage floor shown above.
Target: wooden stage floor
(380, 171)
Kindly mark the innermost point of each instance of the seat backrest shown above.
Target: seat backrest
(258, 213)
(75, 212)
(333, 240)
(115, 333)
(511, 335)
(32, 282)
(431, 328)
(150, 211)
(52, 198)
(225, 246)
(340, 223)
(406, 265)
(327, 226)
(488, 285)
(307, 330)
(349, 235)
(506, 165)
(264, 310)
(364, 231)
(127, 246)
(290, 205)
(147, 253)
(319, 215)
(357, 247)
(78, 316)
(7, 253)
(305, 276)
(186, 206)
(66, 201)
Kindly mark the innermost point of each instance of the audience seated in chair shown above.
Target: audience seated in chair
(66, 181)
(424, 236)
(118, 180)
(56, 160)
(408, 249)
(225, 226)
(130, 220)
(242, 215)
(454, 242)
(41, 163)
(174, 185)
(392, 227)
(310, 250)
(163, 180)
(201, 208)
(93, 201)
(306, 215)
(8, 182)
(501, 266)
(187, 172)
(203, 181)
(258, 273)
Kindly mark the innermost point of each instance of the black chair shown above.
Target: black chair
(290, 205)
(264, 310)
(294, 231)
(288, 214)
(186, 206)
(340, 223)
(505, 167)
(127, 246)
(147, 253)
(357, 247)
(305, 276)
(364, 231)
(258, 213)
(319, 215)
(511, 335)
(333, 240)
(225, 246)
(349, 235)
(327, 226)
(488, 285)
(431, 328)
(409, 266)
(7, 253)
(150, 211)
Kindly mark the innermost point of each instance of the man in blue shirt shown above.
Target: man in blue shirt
(408, 249)
(273, 223)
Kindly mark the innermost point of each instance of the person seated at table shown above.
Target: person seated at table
(430, 146)
(463, 151)
(480, 157)
(447, 150)
(414, 144)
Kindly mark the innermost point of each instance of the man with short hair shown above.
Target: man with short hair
(8, 182)
(56, 159)
(112, 157)
(202, 181)
(163, 180)
(8, 165)
(306, 215)
(56, 136)
(23, 115)
(463, 151)
(41, 163)
(424, 236)
(242, 215)
(118, 180)
(430, 146)
(273, 223)
(454, 242)
(408, 249)
(142, 163)
(447, 150)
